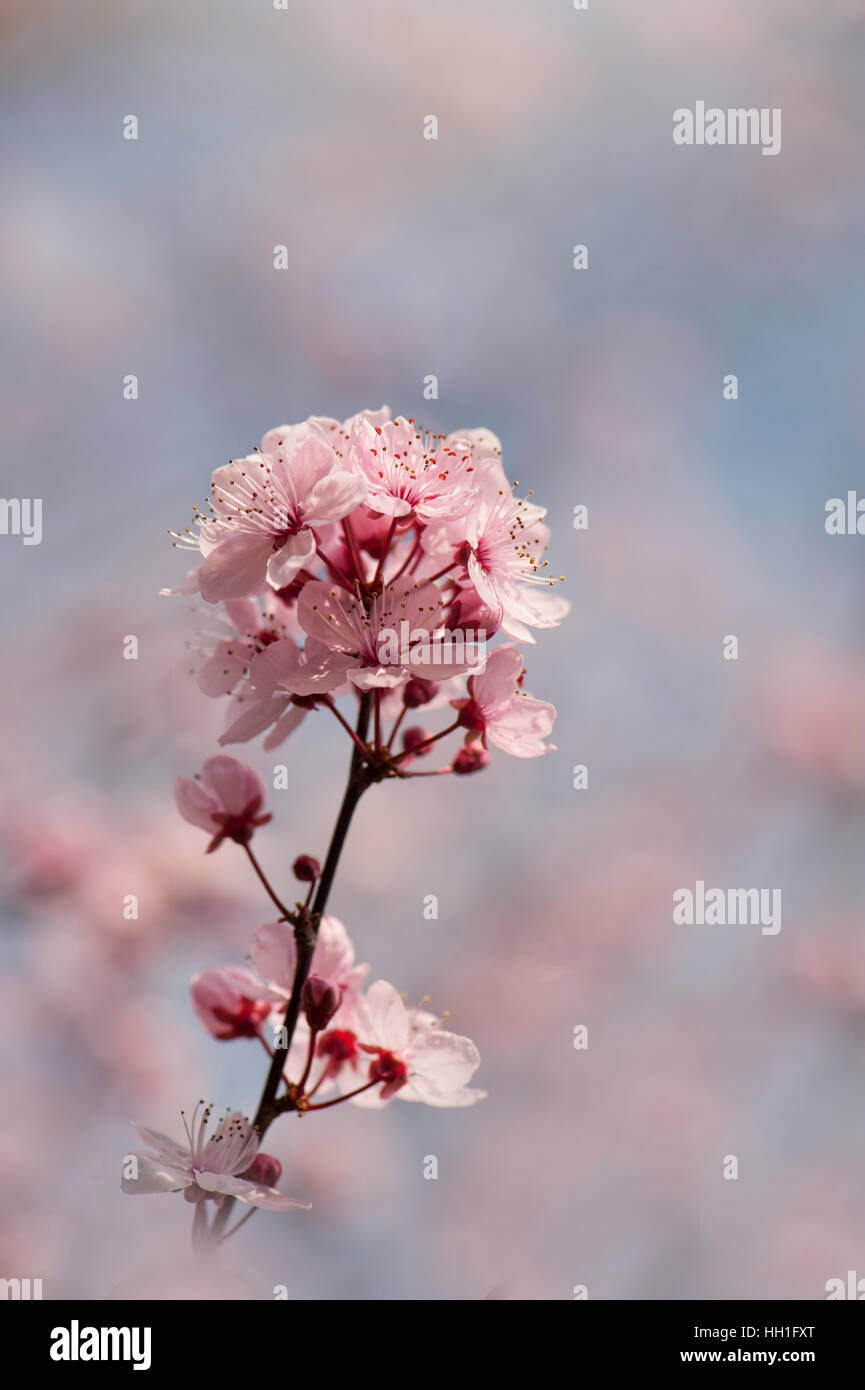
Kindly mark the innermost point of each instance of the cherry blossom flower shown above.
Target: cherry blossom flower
(265, 507)
(409, 473)
(266, 703)
(507, 539)
(225, 800)
(413, 1057)
(349, 641)
(227, 1002)
(498, 709)
(206, 1167)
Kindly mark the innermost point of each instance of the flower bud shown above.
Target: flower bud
(265, 1169)
(417, 692)
(306, 868)
(319, 1001)
(471, 758)
(413, 741)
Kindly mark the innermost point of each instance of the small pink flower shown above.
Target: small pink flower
(414, 1058)
(409, 473)
(227, 1003)
(265, 508)
(498, 710)
(507, 539)
(251, 625)
(267, 704)
(205, 1166)
(225, 800)
(369, 648)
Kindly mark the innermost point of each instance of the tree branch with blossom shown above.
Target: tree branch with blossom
(372, 562)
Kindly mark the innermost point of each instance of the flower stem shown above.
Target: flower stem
(305, 935)
(325, 1104)
(264, 881)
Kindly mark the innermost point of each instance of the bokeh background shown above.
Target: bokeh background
(452, 257)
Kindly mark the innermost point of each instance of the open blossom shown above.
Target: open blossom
(266, 704)
(226, 800)
(227, 1002)
(412, 1056)
(265, 508)
(499, 711)
(205, 1166)
(507, 539)
(348, 640)
(252, 624)
(409, 473)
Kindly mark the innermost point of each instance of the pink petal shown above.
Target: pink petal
(236, 568)
(274, 954)
(195, 803)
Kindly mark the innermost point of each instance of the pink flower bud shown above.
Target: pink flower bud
(417, 692)
(319, 1001)
(265, 1169)
(306, 868)
(471, 758)
(413, 741)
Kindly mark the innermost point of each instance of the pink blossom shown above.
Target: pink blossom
(205, 1166)
(267, 703)
(507, 540)
(225, 800)
(264, 509)
(227, 1003)
(347, 641)
(498, 709)
(414, 1058)
(253, 624)
(409, 473)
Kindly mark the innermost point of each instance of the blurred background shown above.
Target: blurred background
(453, 257)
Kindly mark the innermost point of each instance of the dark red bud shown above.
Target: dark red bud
(319, 1001)
(471, 758)
(417, 692)
(413, 740)
(265, 1169)
(306, 869)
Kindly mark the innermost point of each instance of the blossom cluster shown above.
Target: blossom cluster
(369, 560)
(369, 556)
